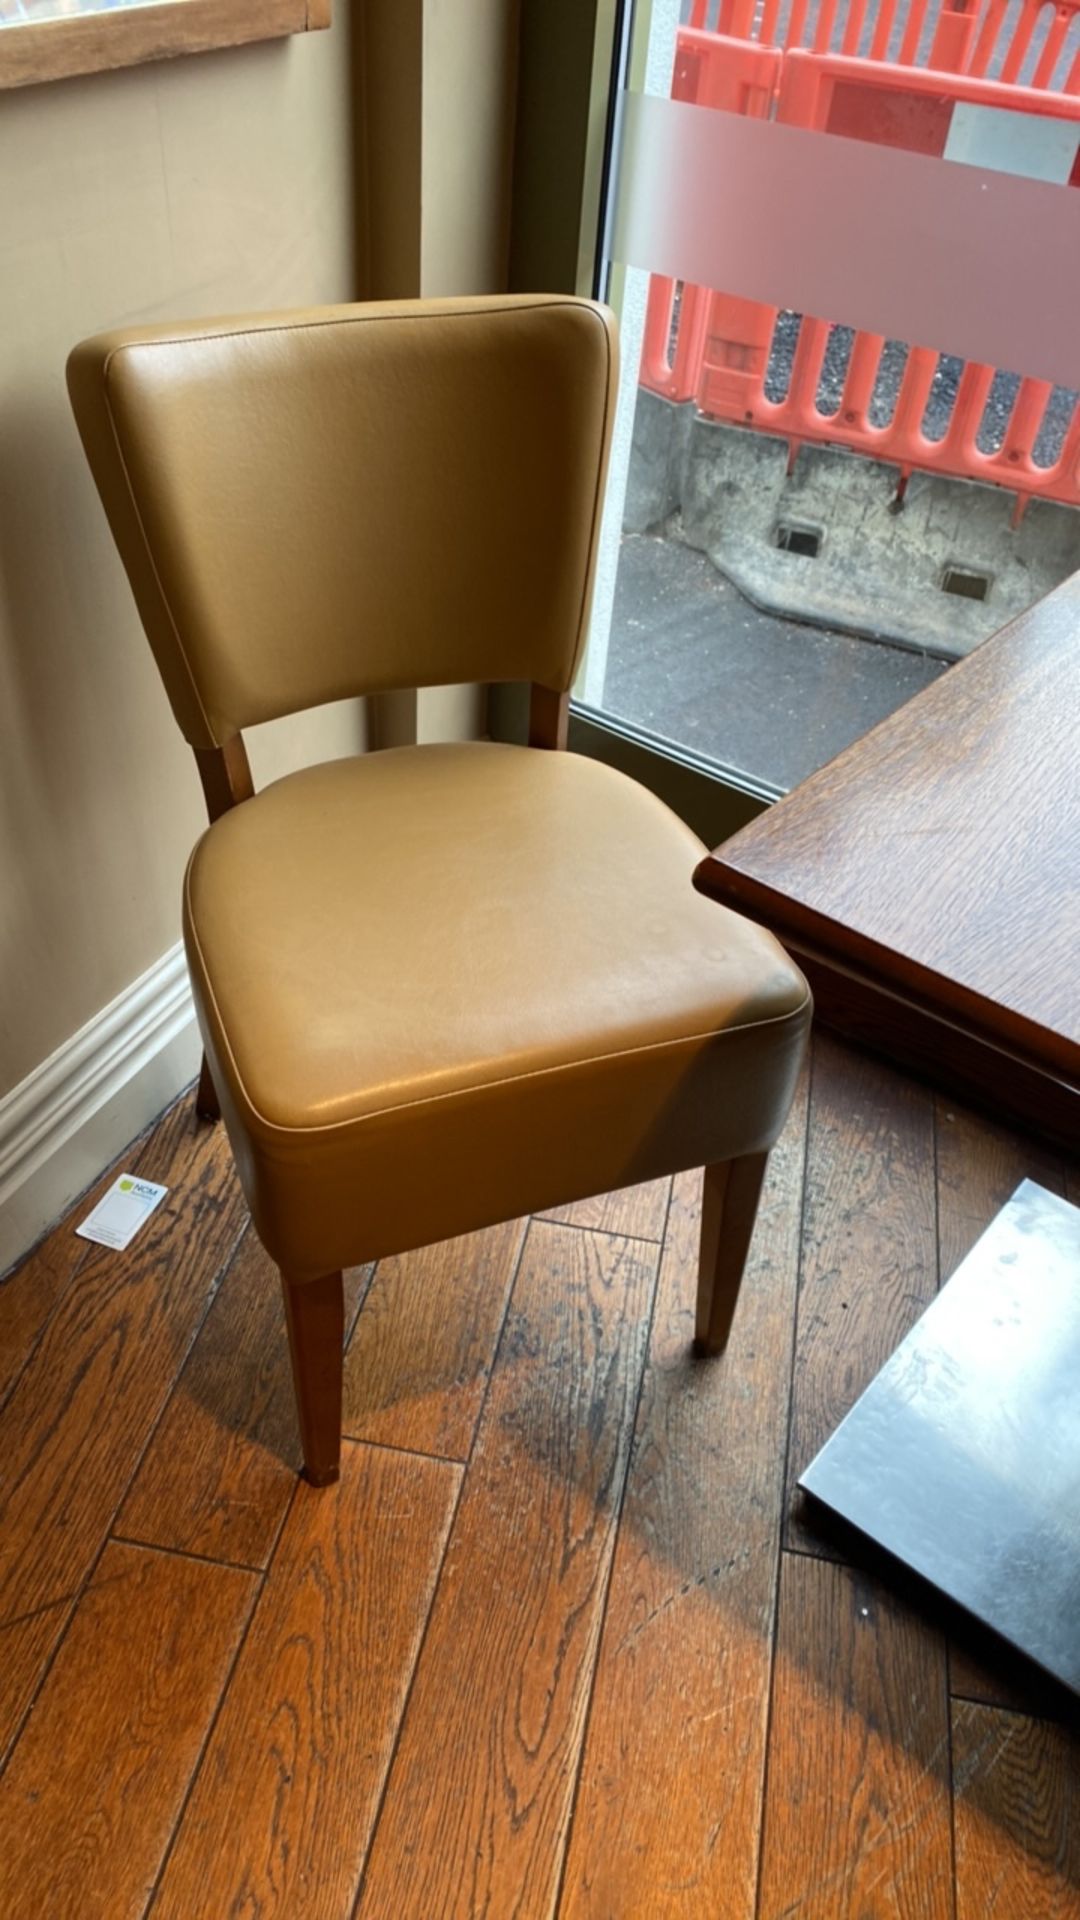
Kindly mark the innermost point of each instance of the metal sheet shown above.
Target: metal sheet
(962, 1458)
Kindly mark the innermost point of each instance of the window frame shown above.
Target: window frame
(32, 51)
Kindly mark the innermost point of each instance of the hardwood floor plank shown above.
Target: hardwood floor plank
(421, 1355)
(1017, 1784)
(219, 1473)
(281, 1813)
(29, 1294)
(980, 1165)
(502, 1685)
(993, 1674)
(95, 1784)
(857, 1816)
(72, 1431)
(638, 1212)
(546, 1634)
(869, 1263)
(25, 1646)
(669, 1802)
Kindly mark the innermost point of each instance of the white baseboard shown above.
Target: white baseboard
(75, 1112)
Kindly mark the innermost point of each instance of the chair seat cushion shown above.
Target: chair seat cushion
(446, 984)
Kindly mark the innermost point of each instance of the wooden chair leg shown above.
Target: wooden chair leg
(207, 1105)
(315, 1314)
(728, 1211)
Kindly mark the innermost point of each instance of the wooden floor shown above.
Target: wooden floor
(560, 1641)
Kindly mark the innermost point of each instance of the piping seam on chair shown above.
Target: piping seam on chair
(594, 527)
(578, 304)
(486, 1086)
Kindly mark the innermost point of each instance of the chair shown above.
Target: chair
(444, 985)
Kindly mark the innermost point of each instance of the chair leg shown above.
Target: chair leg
(315, 1314)
(728, 1211)
(207, 1105)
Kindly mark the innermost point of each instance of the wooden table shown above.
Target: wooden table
(928, 879)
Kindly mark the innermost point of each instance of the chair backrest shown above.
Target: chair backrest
(353, 499)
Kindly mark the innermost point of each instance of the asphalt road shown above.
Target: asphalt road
(690, 659)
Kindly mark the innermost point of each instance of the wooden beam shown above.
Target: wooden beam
(96, 42)
(549, 717)
(225, 775)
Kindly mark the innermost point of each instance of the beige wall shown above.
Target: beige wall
(208, 184)
(436, 80)
(467, 122)
(470, 60)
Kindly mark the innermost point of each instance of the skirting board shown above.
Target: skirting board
(63, 1124)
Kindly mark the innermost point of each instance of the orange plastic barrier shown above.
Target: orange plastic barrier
(711, 70)
(1036, 44)
(901, 88)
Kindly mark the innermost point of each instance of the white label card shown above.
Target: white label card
(120, 1213)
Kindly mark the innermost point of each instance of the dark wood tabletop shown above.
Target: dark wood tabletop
(939, 856)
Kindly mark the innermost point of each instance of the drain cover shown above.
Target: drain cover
(793, 538)
(968, 582)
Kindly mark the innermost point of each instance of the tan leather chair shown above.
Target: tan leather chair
(438, 986)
